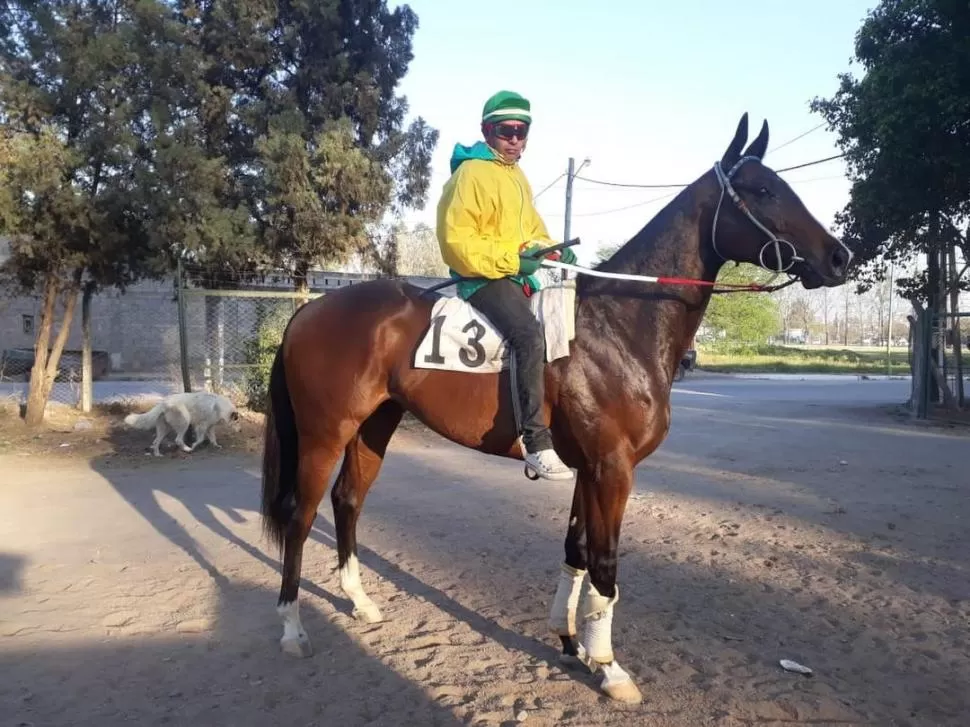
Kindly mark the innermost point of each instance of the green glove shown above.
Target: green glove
(528, 265)
(567, 256)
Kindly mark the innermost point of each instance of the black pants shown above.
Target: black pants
(504, 303)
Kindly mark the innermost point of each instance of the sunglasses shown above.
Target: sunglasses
(509, 131)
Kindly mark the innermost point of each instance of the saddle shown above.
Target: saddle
(460, 338)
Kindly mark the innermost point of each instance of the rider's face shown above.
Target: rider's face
(508, 138)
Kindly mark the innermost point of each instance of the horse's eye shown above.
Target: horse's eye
(764, 191)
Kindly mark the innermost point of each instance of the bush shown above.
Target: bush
(260, 350)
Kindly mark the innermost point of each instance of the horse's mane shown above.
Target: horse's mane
(647, 238)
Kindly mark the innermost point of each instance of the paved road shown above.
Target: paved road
(848, 390)
(104, 391)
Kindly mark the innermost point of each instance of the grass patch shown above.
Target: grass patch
(736, 358)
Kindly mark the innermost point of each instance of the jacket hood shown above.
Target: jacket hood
(478, 150)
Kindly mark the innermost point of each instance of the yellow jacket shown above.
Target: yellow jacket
(486, 215)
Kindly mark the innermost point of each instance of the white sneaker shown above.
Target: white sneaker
(546, 463)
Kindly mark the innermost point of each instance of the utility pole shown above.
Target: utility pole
(570, 174)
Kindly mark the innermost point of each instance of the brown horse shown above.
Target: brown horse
(343, 378)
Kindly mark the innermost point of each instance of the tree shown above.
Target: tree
(310, 121)
(73, 88)
(419, 253)
(743, 317)
(904, 132)
(605, 252)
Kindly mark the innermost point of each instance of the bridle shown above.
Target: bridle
(774, 242)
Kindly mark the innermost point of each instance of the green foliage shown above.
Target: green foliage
(72, 88)
(903, 129)
(260, 350)
(747, 317)
(763, 358)
(232, 134)
(298, 102)
(605, 252)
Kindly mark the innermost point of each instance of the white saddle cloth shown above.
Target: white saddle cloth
(460, 338)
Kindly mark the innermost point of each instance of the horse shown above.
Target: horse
(343, 377)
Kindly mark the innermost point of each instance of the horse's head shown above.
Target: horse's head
(759, 219)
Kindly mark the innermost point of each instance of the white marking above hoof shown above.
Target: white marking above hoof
(368, 613)
(299, 647)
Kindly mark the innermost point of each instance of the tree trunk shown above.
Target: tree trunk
(933, 306)
(87, 375)
(957, 338)
(825, 313)
(845, 322)
(44, 371)
(300, 284)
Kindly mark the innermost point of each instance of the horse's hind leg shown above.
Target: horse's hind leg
(316, 462)
(362, 461)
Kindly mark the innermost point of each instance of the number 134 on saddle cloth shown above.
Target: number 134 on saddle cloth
(462, 339)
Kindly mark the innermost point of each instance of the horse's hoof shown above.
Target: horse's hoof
(625, 691)
(618, 685)
(368, 613)
(299, 647)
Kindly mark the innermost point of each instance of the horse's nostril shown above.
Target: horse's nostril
(840, 260)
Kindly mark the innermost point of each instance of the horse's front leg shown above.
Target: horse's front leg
(604, 497)
(562, 614)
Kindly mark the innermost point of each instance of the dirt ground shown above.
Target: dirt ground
(139, 590)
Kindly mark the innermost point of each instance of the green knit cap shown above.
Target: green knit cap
(506, 106)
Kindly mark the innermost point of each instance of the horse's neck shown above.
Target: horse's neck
(649, 320)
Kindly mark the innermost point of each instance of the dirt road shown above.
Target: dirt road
(140, 590)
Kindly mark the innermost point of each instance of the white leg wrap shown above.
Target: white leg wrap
(364, 608)
(562, 615)
(597, 612)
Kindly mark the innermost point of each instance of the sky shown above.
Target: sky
(651, 92)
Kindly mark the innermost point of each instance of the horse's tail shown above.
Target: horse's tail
(279, 456)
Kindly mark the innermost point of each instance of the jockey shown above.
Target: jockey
(488, 229)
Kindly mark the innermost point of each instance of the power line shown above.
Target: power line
(671, 194)
(627, 207)
(681, 185)
(810, 164)
(548, 187)
(800, 136)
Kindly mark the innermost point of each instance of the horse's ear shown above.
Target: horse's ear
(733, 152)
(760, 145)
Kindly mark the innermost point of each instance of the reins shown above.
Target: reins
(774, 244)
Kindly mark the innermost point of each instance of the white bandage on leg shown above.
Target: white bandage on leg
(597, 612)
(562, 615)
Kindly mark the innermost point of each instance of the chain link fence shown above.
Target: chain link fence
(941, 377)
(231, 337)
(155, 339)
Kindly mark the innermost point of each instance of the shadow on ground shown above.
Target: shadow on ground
(492, 565)
(230, 676)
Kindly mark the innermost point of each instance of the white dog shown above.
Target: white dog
(177, 412)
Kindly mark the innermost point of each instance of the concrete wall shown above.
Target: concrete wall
(139, 328)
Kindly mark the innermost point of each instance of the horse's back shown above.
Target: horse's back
(359, 309)
(365, 325)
